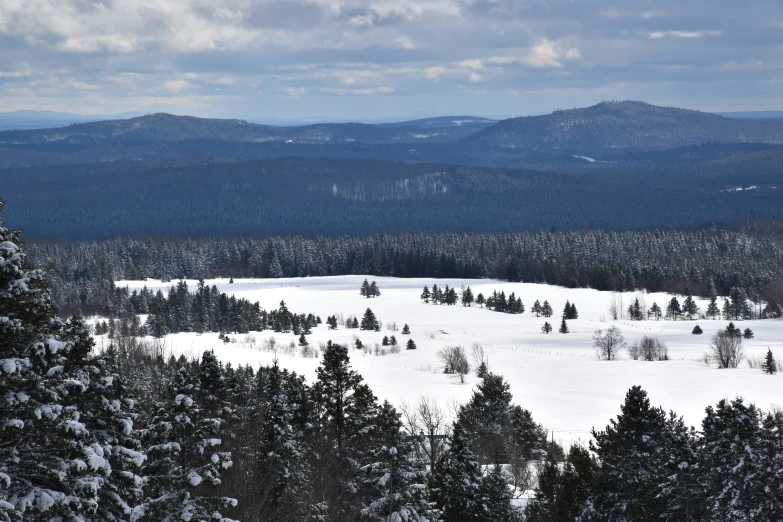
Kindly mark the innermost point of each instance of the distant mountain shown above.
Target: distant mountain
(623, 125)
(163, 128)
(752, 114)
(29, 119)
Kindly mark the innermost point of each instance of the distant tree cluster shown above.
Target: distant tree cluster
(369, 290)
(446, 295)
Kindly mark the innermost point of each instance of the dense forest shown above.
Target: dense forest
(703, 261)
(126, 433)
(312, 196)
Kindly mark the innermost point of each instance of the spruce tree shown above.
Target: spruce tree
(563, 327)
(406, 330)
(385, 341)
(747, 333)
(393, 341)
(303, 340)
(425, 294)
(395, 482)
(364, 291)
(496, 497)
(410, 345)
(697, 330)
(536, 310)
(770, 364)
(369, 322)
(655, 311)
(546, 309)
(374, 291)
(547, 328)
(480, 300)
(630, 451)
(712, 308)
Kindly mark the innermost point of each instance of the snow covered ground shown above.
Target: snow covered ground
(556, 376)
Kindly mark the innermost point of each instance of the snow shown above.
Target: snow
(557, 377)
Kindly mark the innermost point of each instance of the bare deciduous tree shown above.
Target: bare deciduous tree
(425, 423)
(649, 349)
(726, 349)
(608, 345)
(455, 361)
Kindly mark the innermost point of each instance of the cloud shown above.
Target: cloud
(657, 35)
(359, 92)
(176, 86)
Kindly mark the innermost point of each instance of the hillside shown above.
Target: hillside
(624, 125)
(163, 128)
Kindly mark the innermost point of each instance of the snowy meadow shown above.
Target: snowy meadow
(556, 376)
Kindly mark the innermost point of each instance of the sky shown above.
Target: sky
(370, 60)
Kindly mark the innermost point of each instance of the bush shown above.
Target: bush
(455, 362)
(697, 330)
(608, 345)
(726, 349)
(649, 349)
(748, 333)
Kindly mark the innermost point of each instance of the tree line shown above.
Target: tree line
(703, 261)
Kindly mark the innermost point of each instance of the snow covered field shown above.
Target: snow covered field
(556, 376)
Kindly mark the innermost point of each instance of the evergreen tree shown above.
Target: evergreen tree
(673, 310)
(630, 449)
(655, 311)
(562, 492)
(410, 345)
(697, 330)
(635, 311)
(536, 310)
(406, 329)
(563, 327)
(346, 411)
(547, 328)
(182, 461)
(747, 333)
(303, 340)
(712, 308)
(331, 322)
(546, 309)
(689, 307)
(456, 480)
(374, 291)
(61, 439)
(769, 365)
(395, 479)
(733, 331)
(369, 322)
(574, 313)
(385, 341)
(480, 300)
(425, 294)
(393, 341)
(364, 291)
(680, 488)
(496, 497)
(467, 297)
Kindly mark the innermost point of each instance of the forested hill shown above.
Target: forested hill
(336, 196)
(624, 125)
(163, 128)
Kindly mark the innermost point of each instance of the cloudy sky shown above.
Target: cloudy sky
(375, 59)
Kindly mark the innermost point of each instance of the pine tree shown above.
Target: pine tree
(747, 333)
(712, 308)
(467, 297)
(655, 311)
(630, 450)
(546, 309)
(496, 497)
(364, 291)
(480, 300)
(456, 480)
(697, 330)
(635, 311)
(395, 479)
(374, 291)
(563, 327)
(303, 340)
(547, 328)
(574, 313)
(346, 410)
(769, 365)
(393, 341)
(561, 494)
(689, 307)
(331, 322)
(673, 310)
(733, 331)
(410, 345)
(182, 461)
(425, 294)
(536, 310)
(406, 330)
(680, 489)
(369, 322)
(66, 438)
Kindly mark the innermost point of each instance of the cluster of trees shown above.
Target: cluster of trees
(706, 261)
(127, 434)
(446, 295)
(649, 465)
(369, 290)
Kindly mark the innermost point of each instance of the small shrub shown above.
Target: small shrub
(697, 330)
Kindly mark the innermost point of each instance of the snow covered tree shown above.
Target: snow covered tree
(480, 300)
(467, 297)
(536, 310)
(303, 340)
(345, 412)
(65, 422)
(393, 340)
(630, 450)
(331, 322)
(282, 482)
(395, 482)
(562, 492)
(425, 294)
(181, 440)
(456, 480)
(496, 497)
(680, 488)
(546, 309)
(385, 341)
(547, 328)
(732, 461)
(770, 364)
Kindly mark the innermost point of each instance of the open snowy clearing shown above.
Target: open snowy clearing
(556, 376)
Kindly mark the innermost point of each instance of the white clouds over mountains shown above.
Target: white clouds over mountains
(223, 56)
